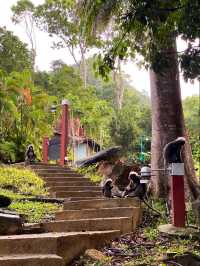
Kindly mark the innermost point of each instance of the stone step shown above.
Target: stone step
(62, 175)
(75, 188)
(65, 179)
(124, 224)
(65, 245)
(28, 244)
(86, 193)
(70, 183)
(32, 260)
(96, 213)
(59, 171)
(49, 166)
(81, 198)
(101, 203)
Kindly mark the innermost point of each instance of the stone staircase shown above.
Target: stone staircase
(66, 183)
(87, 221)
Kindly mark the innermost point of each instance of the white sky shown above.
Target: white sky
(45, 54)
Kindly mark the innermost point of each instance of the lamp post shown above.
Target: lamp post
(143, 139)
(177, 194)
(45, 145)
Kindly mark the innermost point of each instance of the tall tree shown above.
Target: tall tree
(23, 13)
(14, 55)
(150, 28)
(59, 18)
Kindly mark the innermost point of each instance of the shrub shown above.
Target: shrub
(22, 180)
(35, 211)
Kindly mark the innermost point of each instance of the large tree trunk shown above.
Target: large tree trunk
(168, 123)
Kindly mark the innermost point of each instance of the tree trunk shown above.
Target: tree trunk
(168, 124)
(119, 88)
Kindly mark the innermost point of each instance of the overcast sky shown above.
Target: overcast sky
(45, 54)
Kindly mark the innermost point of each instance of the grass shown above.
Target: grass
(19, 184)
(23, 181)
(35, 211)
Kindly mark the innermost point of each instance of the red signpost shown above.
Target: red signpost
(45, 149)
(64, 131)
(177, 195)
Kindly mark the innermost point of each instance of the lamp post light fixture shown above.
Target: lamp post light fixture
(53, 108)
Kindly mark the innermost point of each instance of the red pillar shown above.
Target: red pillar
(45, 149)
(64, 131)
(178, 198)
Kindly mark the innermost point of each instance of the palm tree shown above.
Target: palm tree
(141, 26)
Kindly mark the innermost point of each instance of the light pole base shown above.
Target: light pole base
(170, 229)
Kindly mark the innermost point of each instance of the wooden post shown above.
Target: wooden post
(177, 193)
(45, 149)
(64, 131)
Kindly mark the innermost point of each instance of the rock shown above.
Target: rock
(118, 172)
(108, 154)
(95, 254)
(10, 224)
(4, 201)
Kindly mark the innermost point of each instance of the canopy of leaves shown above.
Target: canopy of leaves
(14, 55)
(146, 27)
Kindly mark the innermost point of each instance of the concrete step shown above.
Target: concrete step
(70, 183)
(49, 170)
(75, 188)
(32, 260)
(101, 203)
(86, 193)
(28, 244)
(65, 179)
(124, 224)
(56, 173)
(65, 245)
(81, 198)
(49, 166)
(96, 213)
(62, 175)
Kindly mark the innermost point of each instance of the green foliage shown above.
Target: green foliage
(145, 27)
(9, 193)
(98, 115)
(151, 233)
(21, 122)
(14, 55)
(22, 9)
(91, 173)
(22, 180)
(19, 184)
(191, 112)
(35, 211)
(132, 122)
(60, 19)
